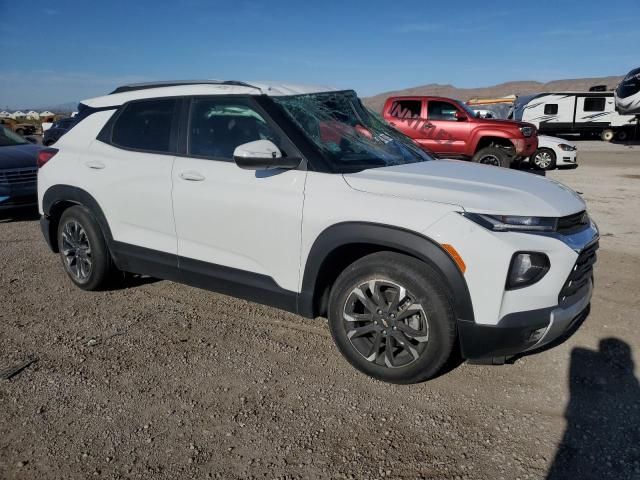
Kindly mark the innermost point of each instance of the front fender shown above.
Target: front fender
(394, 238)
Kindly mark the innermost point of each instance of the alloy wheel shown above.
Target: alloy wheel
(542, 160)
(76, 251)
(385, 323)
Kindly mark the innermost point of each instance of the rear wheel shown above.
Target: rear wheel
(622, 135)
(496, 156)
(83, 250)
(607, 135)
(391, 318)
(20, 131)
(544, 159)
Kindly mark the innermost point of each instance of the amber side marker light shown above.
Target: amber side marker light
(456, 256)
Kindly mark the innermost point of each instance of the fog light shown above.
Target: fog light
(526, 269)
(537, 334)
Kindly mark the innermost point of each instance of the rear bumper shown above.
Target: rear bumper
(522, 332)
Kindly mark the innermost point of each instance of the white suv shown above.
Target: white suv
(297, 197)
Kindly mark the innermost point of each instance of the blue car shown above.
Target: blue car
(18, 171)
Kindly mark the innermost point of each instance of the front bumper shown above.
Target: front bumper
(525, 147)
(567, 159)
(521, 332)
(21, 201)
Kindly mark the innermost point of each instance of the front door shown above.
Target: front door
(236, 226)
(448, 133)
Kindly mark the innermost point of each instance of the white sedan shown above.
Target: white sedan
(554, 152)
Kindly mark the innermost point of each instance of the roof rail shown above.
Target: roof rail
(147, 85)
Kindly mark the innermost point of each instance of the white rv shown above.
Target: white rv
(574, 112)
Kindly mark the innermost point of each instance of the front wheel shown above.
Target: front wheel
(496, 156)
(391, 318)
(83, 250)
(544, 159)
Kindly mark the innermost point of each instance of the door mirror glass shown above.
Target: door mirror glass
(261, 155)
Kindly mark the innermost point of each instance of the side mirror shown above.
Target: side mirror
(461, 117)
(31, 139)
(261, 155)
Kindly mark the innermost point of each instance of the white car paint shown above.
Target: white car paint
(267, 222)
(564, 157)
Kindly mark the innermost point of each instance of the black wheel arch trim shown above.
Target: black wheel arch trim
(57, 194)
(385, 236)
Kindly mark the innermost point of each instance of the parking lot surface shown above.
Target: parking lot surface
(159, 380)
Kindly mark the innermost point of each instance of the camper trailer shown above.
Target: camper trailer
(586, 113)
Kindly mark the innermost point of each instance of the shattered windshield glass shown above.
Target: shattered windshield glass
(349, 136)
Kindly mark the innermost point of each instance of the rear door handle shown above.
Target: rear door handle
(192, 176)
(95, 164)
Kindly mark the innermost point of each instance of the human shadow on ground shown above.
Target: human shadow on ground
(602, 438)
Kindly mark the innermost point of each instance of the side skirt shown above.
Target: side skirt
(196, 273)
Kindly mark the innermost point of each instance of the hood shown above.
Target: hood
(547, 141)
(471, 186)
(502, 123)
(19, 156)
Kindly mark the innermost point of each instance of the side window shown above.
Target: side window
(406, 109)
(437, 110)
(145, 125)
(551, 109)
(594, 104)
(217, 127)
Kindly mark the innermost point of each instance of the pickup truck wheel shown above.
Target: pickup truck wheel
(83, 250)
(607, 135)
(20, 131)
(544, 159)
(391, 318)
(495, 156)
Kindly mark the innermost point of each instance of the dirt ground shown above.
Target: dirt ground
(159, 380)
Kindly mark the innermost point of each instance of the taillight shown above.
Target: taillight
(45, 155)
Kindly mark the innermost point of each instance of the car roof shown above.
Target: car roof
(126, 93)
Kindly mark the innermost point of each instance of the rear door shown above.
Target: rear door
(448, 134)
(239, 226)
(128, 171)
(408, 116)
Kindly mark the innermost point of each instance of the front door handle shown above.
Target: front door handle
(95, 164)
(192, 176)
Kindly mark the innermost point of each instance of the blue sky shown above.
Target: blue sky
(65, 50)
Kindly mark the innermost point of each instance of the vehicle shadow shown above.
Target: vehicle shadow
(602, 438)
(21, 214)
(126, 281)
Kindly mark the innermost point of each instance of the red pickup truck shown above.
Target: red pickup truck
(450, 129)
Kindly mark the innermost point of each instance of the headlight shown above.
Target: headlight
(505, 223)
(526, 269)
(527, 131)
(567, 148)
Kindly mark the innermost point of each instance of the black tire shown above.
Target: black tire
(496, 156)
(432, 324)
(544, 159)
(20, 131)
(623, 135)
(101, 269)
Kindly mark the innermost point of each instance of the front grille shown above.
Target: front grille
(582, 272)
(573, 223)
(18, 176)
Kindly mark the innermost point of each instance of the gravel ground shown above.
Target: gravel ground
(159, 380)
